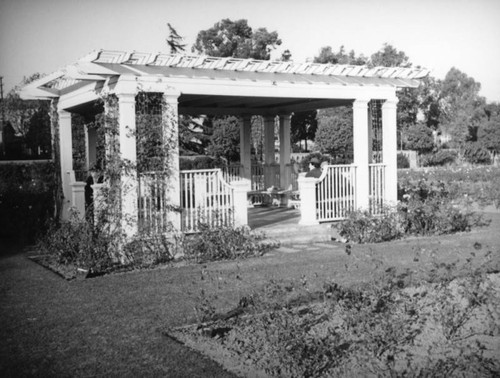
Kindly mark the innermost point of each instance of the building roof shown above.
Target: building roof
(102, 65)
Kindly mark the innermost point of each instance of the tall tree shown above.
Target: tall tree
(326, 55)
(335, 135)
(303, 126)
(174, 40)
(462, 109)
(389, 56)
(236, 39)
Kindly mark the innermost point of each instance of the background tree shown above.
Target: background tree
(225, 140)
(462, 109)
(236, 39)
(29, 120)
(419, 137)
(174, 40)
(489, 134)
(326, 55)
(389, 56)
(303, 126)
(334, 135)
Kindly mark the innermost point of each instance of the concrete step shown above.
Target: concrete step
(290, 234)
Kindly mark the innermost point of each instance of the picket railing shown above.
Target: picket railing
(153, 207)
(335, 192)
(206, 199)
(377, 188)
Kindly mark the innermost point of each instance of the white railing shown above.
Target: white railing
(257, 179)
(153, 207)
(377, 188)
(336, 192)
(232, 173)
(206, 199)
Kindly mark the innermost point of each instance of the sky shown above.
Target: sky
(46, 35)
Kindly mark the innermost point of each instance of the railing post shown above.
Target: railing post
(78, 198)
(241, 189)
(307, 189)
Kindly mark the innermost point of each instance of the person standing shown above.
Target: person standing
(314, 169)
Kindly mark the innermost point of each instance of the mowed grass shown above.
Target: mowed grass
(115, 325)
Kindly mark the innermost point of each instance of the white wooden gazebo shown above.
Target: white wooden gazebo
(228, 86)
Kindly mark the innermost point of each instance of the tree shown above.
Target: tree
(326, 55)
(489, 135)
(462, 109)
(303, 126)
(419, 138)
(29, 119)
(174, 40)
(389, 56)
(225, 140)
(236, 39)
(334, 135)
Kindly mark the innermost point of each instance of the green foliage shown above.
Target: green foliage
(363, 227)
(236, 39)
(389, 56)
(303, 126)
(77, 242)
(326, 55)
(403, 162)
(334, 135)
(489, 135)
(439, 158)
(225, 140)
(419, 138)
(387, 327)
(425, 207)
(27, 199)
(174, 40)
(224, 243)
(475, 153)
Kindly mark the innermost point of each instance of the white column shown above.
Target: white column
(389, 149)
(361, 146)
(307, 189)
(171, 143)
(66, 149)
(128, 154)
(269, 158)
(285, 150)
(245, 147)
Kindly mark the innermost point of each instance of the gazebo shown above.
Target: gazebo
(197, 85)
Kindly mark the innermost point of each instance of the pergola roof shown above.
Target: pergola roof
(101, 66)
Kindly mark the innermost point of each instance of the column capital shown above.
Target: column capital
(361, 103)
(63, 113)
(390, 103)
(285, 116)
(171, 95)
(126, 86)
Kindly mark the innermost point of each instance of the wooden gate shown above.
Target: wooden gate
(206, 199)
(335, 192)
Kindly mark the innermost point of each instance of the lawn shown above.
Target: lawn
(116, 325)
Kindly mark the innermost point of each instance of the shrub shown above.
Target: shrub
(474, 153)
(403, 161)
(439, 158)
(363, 227)
(76, 242)
(224, 243)
(26, 199)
